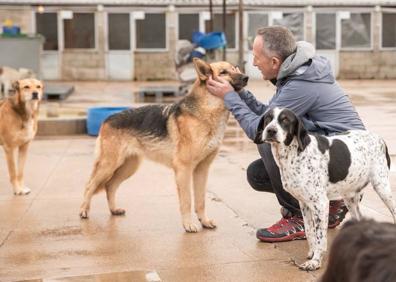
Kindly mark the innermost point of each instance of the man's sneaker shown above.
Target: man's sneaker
(290, 227)
(337, 212)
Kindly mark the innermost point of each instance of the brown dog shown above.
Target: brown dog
(184, 136)
(18, 126)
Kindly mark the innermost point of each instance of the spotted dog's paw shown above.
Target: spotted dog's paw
(310, 265)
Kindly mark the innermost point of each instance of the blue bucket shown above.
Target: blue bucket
(11, 30)
(213, 40)
(97, 115)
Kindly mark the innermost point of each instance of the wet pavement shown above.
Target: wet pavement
(43, 239)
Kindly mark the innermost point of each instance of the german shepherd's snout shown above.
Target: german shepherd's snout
(184, 136)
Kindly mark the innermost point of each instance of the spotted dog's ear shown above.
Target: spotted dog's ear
(202, 68)
(260, 129)
(264, 121)
(302, 136)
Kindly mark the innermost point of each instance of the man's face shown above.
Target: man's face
(269, 66)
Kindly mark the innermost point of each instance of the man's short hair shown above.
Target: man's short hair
(363, 251)
(278, 40)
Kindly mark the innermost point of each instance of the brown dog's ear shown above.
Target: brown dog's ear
(15, 86)
(202, 68)
(1, 70)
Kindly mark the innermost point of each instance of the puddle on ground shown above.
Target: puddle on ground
(64, 231)
(136, 276)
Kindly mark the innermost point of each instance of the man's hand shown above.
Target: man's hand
(219, 87)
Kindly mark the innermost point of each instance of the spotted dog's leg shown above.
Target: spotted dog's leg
(308, 227)
(384, 191)
(320, 215)
(352, 204)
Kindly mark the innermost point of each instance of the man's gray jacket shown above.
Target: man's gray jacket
(305, 85)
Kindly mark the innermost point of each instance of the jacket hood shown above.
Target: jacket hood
(305, 65)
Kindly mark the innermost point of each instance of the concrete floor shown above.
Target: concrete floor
(42, 238)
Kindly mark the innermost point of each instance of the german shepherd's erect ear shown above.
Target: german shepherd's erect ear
(202, 68)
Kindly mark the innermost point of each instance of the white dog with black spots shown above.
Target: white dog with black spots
(316, 169)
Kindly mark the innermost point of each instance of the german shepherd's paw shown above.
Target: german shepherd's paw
(190, 227)
(22, 191)
(118, 212)
(208, 223)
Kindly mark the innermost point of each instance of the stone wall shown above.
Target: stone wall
(83, 65)
(367, 64)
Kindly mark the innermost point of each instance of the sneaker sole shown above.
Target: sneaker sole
(295, 236)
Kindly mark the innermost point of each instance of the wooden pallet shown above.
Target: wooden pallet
(57, 92)
(158, 91)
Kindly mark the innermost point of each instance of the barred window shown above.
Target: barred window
(47, 25)
(151, 32)
(188, 23)
(79, 31)
(389, 30)
(325, 31)
(356, 31)
(119, 32)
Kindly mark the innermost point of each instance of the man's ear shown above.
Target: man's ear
(15, 86)
(202, 68)
(276, 62)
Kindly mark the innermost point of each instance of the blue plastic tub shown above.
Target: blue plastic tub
(213, 40)
(97, 115)
(11, 30)
(197, 36)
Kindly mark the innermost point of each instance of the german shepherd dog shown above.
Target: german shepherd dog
(18, 126)
(184, 136)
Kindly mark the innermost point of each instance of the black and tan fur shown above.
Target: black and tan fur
(18, 126)
(184, 136)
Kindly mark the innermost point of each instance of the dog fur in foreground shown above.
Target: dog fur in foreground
(18, 126)
(363, 251)
(184, 136)
(316, 169)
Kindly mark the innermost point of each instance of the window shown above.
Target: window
(356, 31)
(47, 25)
(119, 32)
(218, 26)
(325, 31)
(151, 32)
(293, 21)
(255, 21)
(389, 30)
(188, 23)
(79, 31)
